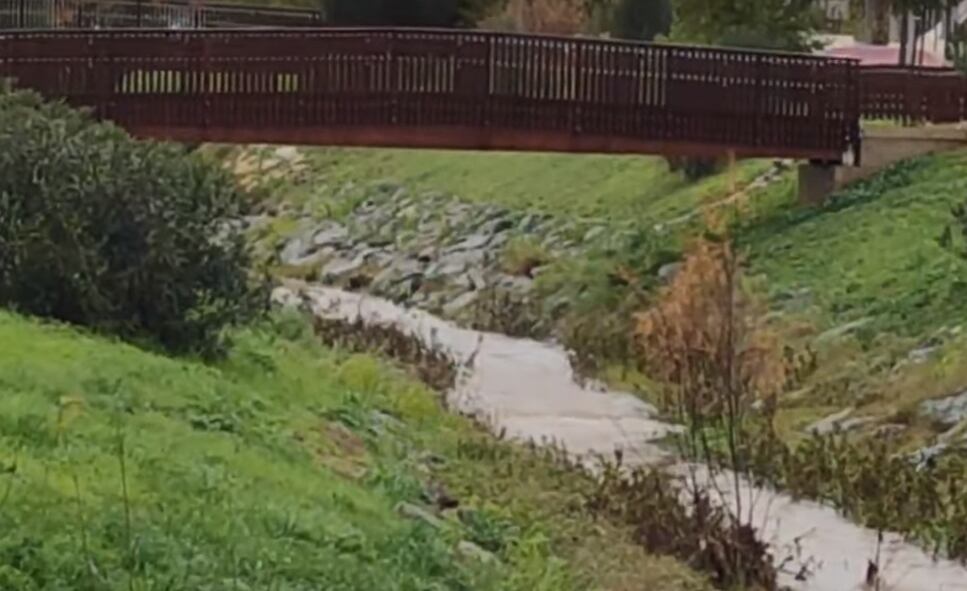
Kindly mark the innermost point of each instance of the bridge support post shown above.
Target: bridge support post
(817, 181)
(882, 148)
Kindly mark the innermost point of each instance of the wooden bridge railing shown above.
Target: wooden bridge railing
(452, 89)
(182, 14)
(913, 95)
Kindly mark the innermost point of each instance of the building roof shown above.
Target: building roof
(882, 55)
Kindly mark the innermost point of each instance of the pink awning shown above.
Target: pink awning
(882, 55)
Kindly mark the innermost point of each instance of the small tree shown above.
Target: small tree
(705, 340)
(766, 24)
(641, 19)
(413, 13)
(136, 239)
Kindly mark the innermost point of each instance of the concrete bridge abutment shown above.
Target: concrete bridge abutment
(882, 147)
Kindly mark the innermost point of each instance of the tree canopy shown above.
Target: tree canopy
(766, 24)
(412, 13)
(641, 19)
(136, 239)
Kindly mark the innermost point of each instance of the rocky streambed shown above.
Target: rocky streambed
(434, 251)
(525, 388)
(463, 261)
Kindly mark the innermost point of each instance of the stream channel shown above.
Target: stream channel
(526, 390)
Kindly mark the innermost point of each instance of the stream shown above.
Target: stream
(526, 390)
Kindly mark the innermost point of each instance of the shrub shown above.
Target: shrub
(414, 13)
(694, 168)
(522, 255)
(125, 237)
(705, 340)
(641, 19)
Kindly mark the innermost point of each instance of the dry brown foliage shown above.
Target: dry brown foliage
(705, 339)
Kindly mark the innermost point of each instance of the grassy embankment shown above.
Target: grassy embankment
(279, 468)
(872, 268)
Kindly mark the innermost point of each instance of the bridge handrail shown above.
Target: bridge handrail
(716, 49)
(913, 95)
(461, 85)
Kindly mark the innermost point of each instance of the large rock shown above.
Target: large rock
(454, 263)
(417, 513)
(839, 422)
(468, 549)
(498, 241)
(297, 247)
(330, 234)
(427, 253)
(668, 272)
(947, 411)
(286, 299)
(399, 269)
(471, 280)
(340, 268)
(497, 225)
(314, 259)
(460, 303)
(515, 284)
(842, 330)
(925, 457)
(472, 242)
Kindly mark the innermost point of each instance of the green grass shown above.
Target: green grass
(872, 254)
(873, 251)
(616, 188)
(280, 468)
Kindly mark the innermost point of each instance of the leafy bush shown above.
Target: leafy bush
(126, 237)
(694, 168)
(641, 19)
(761, 24)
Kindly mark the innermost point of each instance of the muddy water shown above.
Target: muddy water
(526, 389)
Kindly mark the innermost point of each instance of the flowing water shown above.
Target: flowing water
(527, 390)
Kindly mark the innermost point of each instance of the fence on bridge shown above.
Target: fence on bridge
(163, 14)
(903, 94)
(913, 95)
(454, 89)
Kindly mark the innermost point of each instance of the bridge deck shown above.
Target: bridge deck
(446, 89)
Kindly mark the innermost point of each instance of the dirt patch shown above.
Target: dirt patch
(336, 447)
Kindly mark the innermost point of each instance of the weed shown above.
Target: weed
(522, 255)
(500, 311)
(686, 523)
(871, 482)
(705, 339)
(433, 367)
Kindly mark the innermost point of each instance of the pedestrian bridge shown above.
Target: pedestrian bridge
(446, 89)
